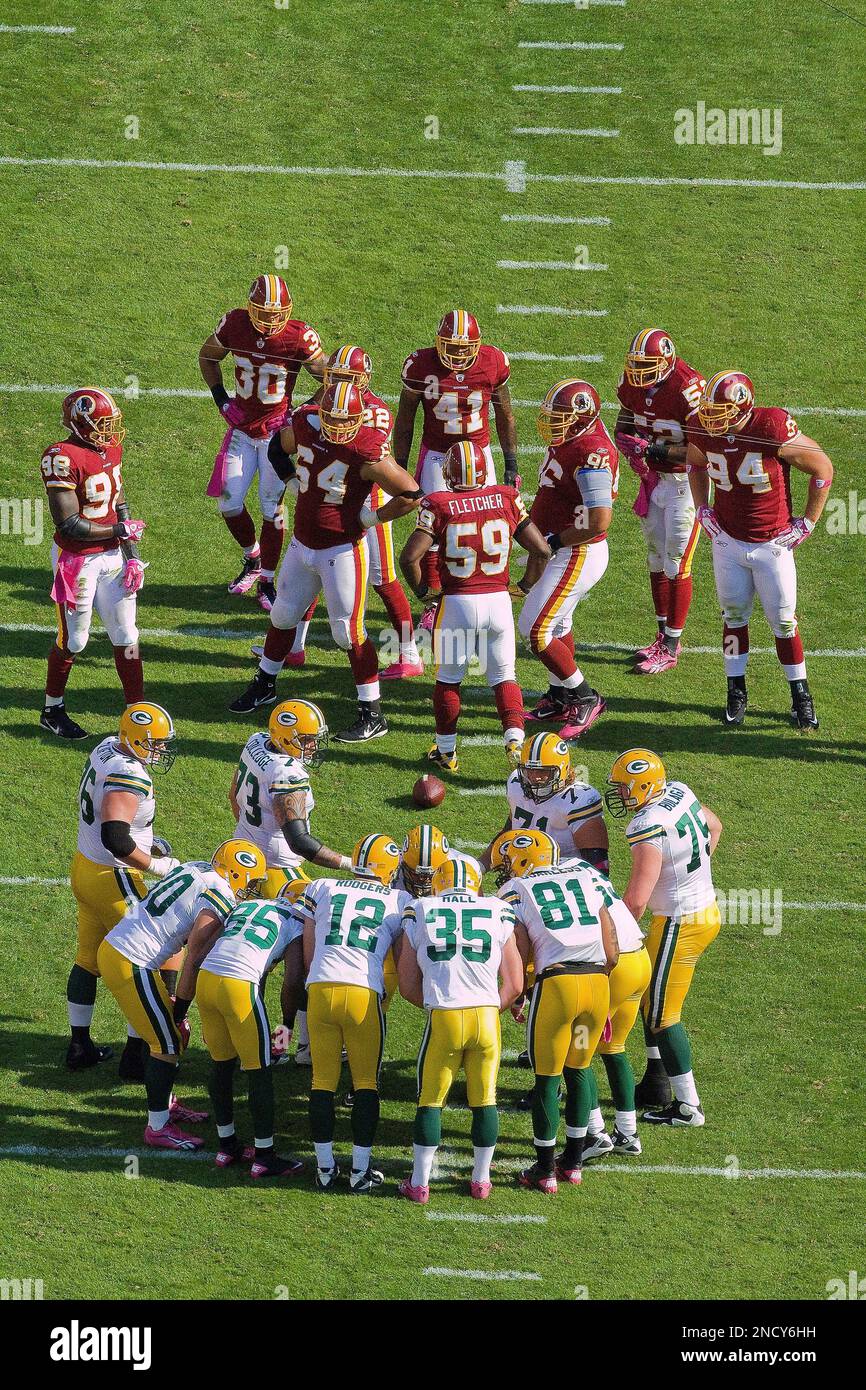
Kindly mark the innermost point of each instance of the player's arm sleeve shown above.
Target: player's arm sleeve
(640, 834)
(592, 806)
(596, 487)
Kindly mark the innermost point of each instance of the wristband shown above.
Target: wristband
(809, 525)
(220, 395)
(346, 863)
(821, 482)
(554, 541)
(510, 460)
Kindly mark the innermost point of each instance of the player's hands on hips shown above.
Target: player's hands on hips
(232, 413)
(799, 531)
(708, 522)
(132, 530)
(281, 1036)
(133, 575)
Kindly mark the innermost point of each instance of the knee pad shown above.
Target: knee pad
(785, 628)
(228, 506)
(76, 641)
(340, 633)
(125, 636)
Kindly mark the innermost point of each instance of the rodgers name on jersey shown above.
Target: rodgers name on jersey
(559, 501)
(751, 484)
(458, 939)
(331, 490)
(456, 403)
(558, 816)
(561, 911)
(95, 478)
(109, 769)
(676, 826)
(256, 935)
(263, 773)
(266, 369)
(157, 926)
(356, 921)
(473, 530)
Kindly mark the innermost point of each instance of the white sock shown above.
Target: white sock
(80, 1015)
(268, 574)
(684, 1088)
(626, 1121)
(544, 1143)
(481, 1166)
(324, 1156)
(267, 1143)
(596, 1121)
(653, 1054)
(796, 672)
(157, 1119)
(361, 1158)
(514, 735)
(446, 743)
(130, 1032)
(409, 652)
(252, 552)
(52, 701)
(369, 692)
(269, 666)
(302, 1032)
(226, 1131)
(574, 1132)
(423, 1167)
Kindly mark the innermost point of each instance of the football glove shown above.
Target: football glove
(799, 531)
(518, 1009)
(510, 476)
(133, 575)
(708, 522)
(162, 865)
(634, 450)
(130, 530)
(160, 846)
(281, 1036)
(232, 413)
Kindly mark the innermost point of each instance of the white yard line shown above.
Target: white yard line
(481, 791)
(496, 1274)
(594, 133)
(476, 1218)
(507, 175)
(575, 44)
(469, 844)
(547, 265)
(36, 29)
(553, 220)
(556, 357)
(619, 4)
(546, 90)
(530, 309)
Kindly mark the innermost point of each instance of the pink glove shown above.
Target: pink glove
(633, 448)
(280, 1039)
(232, 413)
(607, 1030)
(518, 1009)
(185, 1031)
(133, 575)
(132, 530)
(708, 522)
(799, 531)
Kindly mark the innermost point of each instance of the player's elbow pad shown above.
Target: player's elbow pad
(300, 840)
(281, 462)
(74, 528)
(595, 487)
(116, 838)
(598, 857)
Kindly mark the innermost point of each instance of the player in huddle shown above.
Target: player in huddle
(577, 486)
(94, 555)
(658, 392)
(747, 451)
(455, 383)
(472, 524)
(269, 348)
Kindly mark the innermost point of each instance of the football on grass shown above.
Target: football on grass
(428, 791)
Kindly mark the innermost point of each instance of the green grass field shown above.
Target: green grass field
(117, 276)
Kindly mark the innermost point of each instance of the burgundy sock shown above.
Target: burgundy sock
(131, 672)
(446, 707)
(242, 528)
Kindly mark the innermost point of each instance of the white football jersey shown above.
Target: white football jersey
(458, 938)
(263, 771)
(254, 939)
(628, 932)
(676, 825)
(109, 769)
(159, 925)
(357, 921)
(560, 909)
(558, 816)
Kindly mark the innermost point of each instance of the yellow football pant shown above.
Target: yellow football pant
(103, 895)
(143, 999)
(455, 1038)
(674, 949)
(234, 1020)
(628, 981)
(349, 1016)
(566, 1019)
(389, 968)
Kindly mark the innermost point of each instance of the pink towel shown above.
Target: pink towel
(607, 1030)
(644, 493)
(69, 567)
(218, 476)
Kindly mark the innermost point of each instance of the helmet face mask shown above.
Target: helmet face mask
(341, 413)
(650, 359)
(424, 849)
(269, 305)
(162, 752)
(726, 403)
(545, 767)
(458, 340)
(569, 409)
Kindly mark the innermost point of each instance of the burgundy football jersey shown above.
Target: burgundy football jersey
(95, 479)
(331, 489)
(377, 417)
(751, 484)
(661, 412)
(456, 404)
(266, 369)
(559, 498)
(473, 530)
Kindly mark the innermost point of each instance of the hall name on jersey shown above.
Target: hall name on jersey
(464, 506)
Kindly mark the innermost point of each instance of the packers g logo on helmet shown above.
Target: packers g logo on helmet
(146, 731)
(637, 778)
(460, 873)
(424, 849)
(298, 729)
(376, 856)
(545, 767)
(242, 865)
(518, 852)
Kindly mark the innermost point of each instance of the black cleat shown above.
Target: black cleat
(803, 714)
(262, 690)
(522, 1060)
(654, 1088)
(364, 1184)
(81, 1055)
(369, 724)
(133, 1059)
(676, 1114)
(735, 711)
(266, 594)
(55, 719)
(248, 576)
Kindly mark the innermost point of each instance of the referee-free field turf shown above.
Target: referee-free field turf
(320, 117)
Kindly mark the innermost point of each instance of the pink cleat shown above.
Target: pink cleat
(534, 1177)
(237, 1154)
(266, 594)
(661, 659)
(480, 1190)
(413, 1194)
(428, 617)
(402, 670)
(249, 575)
(178, 1111)
(643, 652)
(170, 1137)
(277, 1167)
(547, 709)
(572, 1175)
(582, 715)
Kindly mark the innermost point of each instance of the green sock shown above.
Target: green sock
(220, 1089)
(578, 1096)
(545, 1107)
(621, 1079)
(485, 1126)
(675, 1048)
(365, 1118)
(260, 1085)
(321, 1116)
(427, 1131)
(158, 1082)
(593, 1089)
(81, 986)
